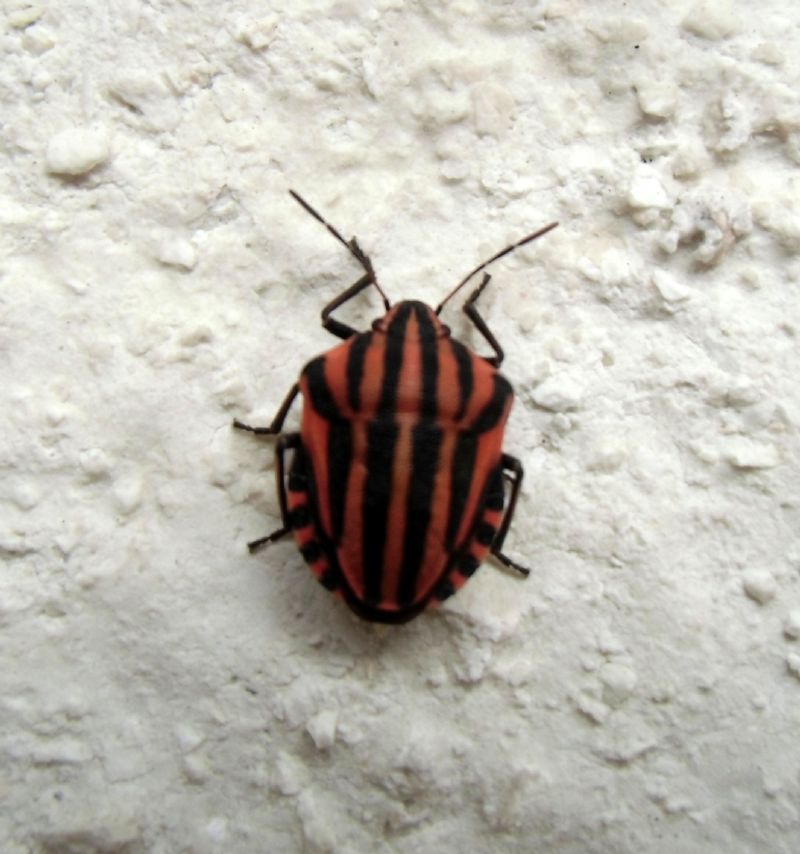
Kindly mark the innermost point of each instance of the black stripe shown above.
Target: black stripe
(311, 551)
(340, 442)
(321, 397)
(466, 382)
(393, 358)
(329, 580)
(297, 482)
(444, 590)
(495, 492)
(491, 414)
(300, 517)
(495, 501)
(485, 533)
(426, 443)
(355, 369)
(460, 481)
(467, 564)
(340, 455)
(427, 331)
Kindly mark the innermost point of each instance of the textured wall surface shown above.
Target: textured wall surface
(161, 689)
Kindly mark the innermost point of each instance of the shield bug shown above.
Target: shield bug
(397, 483)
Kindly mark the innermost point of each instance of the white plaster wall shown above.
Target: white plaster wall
(162, 690)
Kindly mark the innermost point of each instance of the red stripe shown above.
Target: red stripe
(408, 385)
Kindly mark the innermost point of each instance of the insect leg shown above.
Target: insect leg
(471, 310)
(336, 327)
(285, 442)
(512, 467)
(277, 422)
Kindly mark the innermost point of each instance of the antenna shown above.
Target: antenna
(351, 245)
(500, 254)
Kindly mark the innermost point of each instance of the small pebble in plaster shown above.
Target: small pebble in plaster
(711, 19)
(782, 221)
(318, 828)
(669, 289)
(290, 775)
(177, 252)
(706, 452)
(791, 625)
(619, 681)
(559, 393)
(608, 643)
(769, 53)
(647, 191)
(188, 737)
(217, 829)
(124, 764)
(322, 728)
(198, 333)
(60, 751)
(759, 585)
(127, 491)
(743, 453)
(24, 14)
(657, 99)
(732, 391)
(593, 709)
(76, 151)
(25, 494)
(95, 463)
(196, 769)
(627, 744)
(55, 414)
(37, 40)
(257, 34)
(689, 159)
(793, 664)
(606, 455)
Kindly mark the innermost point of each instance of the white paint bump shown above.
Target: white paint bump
(76, 151)
(657, 99)
(619, 681)
(322, 728)
(712, 19)
(745, 454)
(178, 252)
(791, 625)
(559, 393)
(647, 191)
(759, 585)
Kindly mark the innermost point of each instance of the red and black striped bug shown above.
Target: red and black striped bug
(396, 488)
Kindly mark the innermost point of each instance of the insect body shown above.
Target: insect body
(396, 488)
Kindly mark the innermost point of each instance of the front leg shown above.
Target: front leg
(336, 327)
(471, 310)
(331, 324)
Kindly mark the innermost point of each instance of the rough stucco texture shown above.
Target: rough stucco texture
(161, 689)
